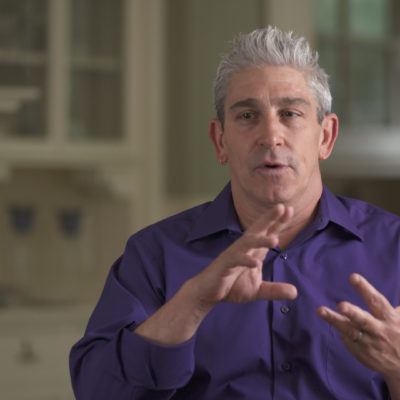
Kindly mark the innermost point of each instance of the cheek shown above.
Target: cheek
(237, 151)
(308, 155)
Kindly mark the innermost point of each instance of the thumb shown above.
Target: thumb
(276, 291)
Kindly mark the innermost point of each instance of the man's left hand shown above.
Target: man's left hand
(373, 338)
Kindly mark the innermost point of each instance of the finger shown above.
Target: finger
(340, 322)
(251, 242)
(335, 319)
(276, 291)
(281, 223)
(262, 224)
(376, 302)
(241, 260)
(360, 318)
(270, 222)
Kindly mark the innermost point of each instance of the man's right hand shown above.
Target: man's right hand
(234, 276)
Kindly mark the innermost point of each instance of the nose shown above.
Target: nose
(270, 133)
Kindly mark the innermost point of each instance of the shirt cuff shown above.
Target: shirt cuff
(154, 366)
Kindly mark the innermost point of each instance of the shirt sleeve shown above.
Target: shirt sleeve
(110, 361)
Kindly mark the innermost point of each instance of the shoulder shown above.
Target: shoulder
(369, 216)
(176, 227)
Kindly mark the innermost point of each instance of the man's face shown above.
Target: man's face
(271, 137)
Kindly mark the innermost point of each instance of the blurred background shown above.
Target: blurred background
(104, 108)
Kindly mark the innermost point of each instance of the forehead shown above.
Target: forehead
(266, 83)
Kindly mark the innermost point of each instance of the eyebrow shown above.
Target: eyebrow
(277, 101)
(290, 101)
(249, 102)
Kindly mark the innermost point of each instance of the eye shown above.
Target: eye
(247, 115)
(288, 114)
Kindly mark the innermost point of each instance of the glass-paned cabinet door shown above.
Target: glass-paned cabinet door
(23, 54)
(95, 87)
(357, 49)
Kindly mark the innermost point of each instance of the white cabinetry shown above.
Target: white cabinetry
(34, 347)
(81, 132)
(80, 88)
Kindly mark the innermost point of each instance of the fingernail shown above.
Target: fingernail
(323, 312)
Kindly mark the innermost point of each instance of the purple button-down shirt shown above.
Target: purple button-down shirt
(263, 350)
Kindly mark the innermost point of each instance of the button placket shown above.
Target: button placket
(284, 256)
(283, 314)
(285, 309)
(287, 366)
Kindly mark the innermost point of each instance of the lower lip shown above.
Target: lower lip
(273, 171)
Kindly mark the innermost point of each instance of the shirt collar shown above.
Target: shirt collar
(220, 215)
(333, 209)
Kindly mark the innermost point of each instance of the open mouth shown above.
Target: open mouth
(273, 166)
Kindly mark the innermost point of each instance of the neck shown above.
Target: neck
(304, 213)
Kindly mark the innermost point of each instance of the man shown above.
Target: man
(228, 300)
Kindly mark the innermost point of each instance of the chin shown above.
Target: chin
(276, 195)
(270, 199)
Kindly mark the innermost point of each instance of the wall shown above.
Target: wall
(53, 259)
(198, 33)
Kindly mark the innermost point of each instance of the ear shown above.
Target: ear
(329, 132)
(216, 134)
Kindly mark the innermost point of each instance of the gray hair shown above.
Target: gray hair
(271, 46)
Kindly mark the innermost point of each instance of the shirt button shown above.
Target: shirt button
(284, 256)
(287, 366)
(285, 309)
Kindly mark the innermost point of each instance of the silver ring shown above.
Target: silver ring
(359, 337)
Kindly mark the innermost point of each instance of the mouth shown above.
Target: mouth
(271, 165)
(272, 168)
